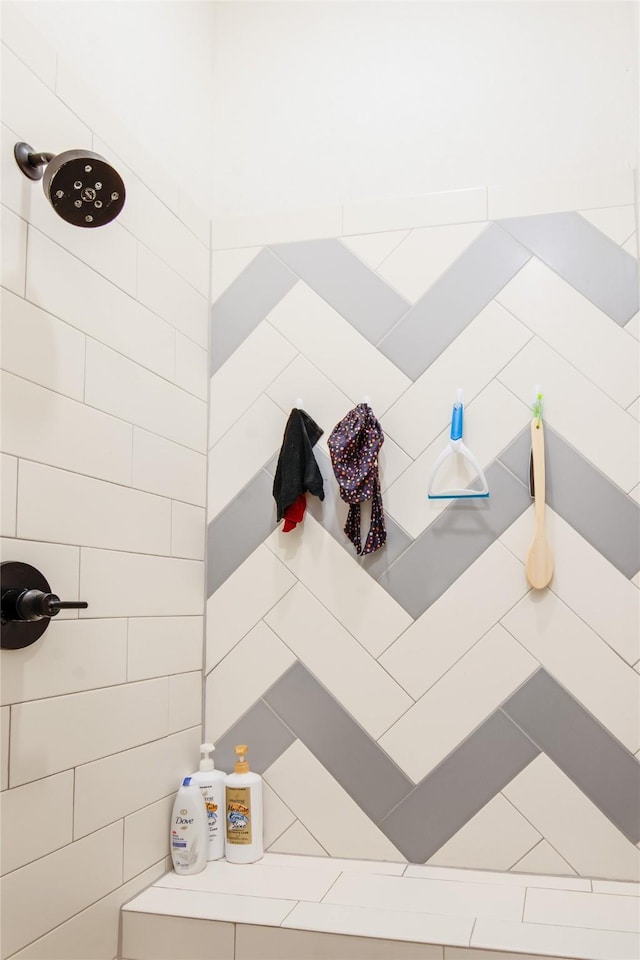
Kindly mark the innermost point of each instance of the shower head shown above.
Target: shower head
(80, 185)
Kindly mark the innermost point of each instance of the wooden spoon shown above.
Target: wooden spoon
(539, 565)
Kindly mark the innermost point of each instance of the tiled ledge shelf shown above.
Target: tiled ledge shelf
(307, 908)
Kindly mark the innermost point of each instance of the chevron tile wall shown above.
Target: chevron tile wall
(423, 703)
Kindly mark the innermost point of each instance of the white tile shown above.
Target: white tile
(635, 493)
(457, 703)
(571, 823)
(380, 923)
(8, 495)
(374, 248)
(234, 908)
(281, 883)
(194, 214)
(277, 816)
(361, 605)
(242, 451)
(242, 600)
(578, 330)
(452, 898)
(172, 298)
(21, 36)
(22, 810)
(158, 646)
(59, 364)
(618, 888)
(634, 409)
(66, 507)
(132, 585)
(185, 701)
(354, 678)
(582, 663)
(110, 788)
(92, 933)
(64, 286)
(83, 885)
(331, 343)
(188, 529)
(328, 812)
(240, 381)
(59, 565)
(35, 114)
(284, 226)
(260, 943)
(146, 836)
(566, 941)
(417, 262)
(259, 659)
(462, 953)
(431, 209)
(544, 859)
(226, 266)
(631, 246)
(168, 468)
(152, 222)
(445, 875)
(320, 398)
(618, 223)
(492, 420)
(567, 395)
(191, 367)
(5, 719)
(75, 655)
(471, 362)
(149, 936)
(598, 911)
(555, 195)
(297, 839)
(633, 327)
(143, 398)
(585, 580)
(84, 726)
(345, 866)
(457, 619)
(493, 839)
(14, 251)
(41, 425)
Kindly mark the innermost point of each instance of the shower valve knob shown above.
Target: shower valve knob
(28, 604)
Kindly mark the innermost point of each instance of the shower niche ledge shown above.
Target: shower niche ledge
(288, 907)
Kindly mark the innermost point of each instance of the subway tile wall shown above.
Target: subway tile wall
(104, 386)
(424, 704)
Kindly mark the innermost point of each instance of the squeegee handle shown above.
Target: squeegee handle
(456, 421)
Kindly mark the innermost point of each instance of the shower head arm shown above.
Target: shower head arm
(31, 163)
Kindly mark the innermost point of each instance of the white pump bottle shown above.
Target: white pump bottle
(211, 783)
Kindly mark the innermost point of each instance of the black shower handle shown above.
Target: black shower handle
(35, 604)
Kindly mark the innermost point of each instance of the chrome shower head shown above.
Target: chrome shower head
(80, 185)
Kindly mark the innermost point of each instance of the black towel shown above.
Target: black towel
(297, 471)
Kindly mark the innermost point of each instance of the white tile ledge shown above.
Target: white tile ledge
(314, 894)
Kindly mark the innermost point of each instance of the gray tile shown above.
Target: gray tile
(450, 545)
(599, 510)
(458, 788)
(350, 755)
(587, 259)
(248, 300)
(241, 527)
(453, 301)
(332, 514)
(265, 734)
(353, 289)
(596, 762)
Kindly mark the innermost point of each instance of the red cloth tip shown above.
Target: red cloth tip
(293, 515)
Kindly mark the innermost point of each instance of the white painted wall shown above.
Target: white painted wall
(324, 102)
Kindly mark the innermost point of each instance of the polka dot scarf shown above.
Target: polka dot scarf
(354, 445)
